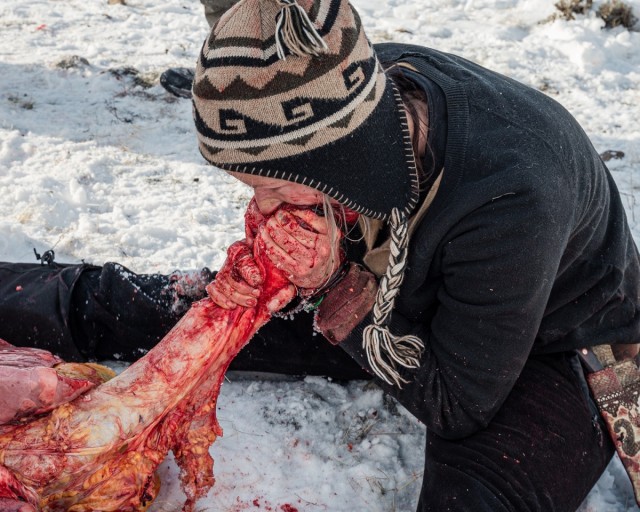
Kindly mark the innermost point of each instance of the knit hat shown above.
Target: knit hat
(292, 89)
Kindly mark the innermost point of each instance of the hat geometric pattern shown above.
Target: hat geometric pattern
(278, 113)
(258, 113)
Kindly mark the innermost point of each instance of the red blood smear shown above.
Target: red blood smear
(179, 380)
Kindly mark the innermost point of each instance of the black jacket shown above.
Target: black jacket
(525, 250)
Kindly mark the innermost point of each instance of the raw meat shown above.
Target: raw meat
(34, 382)
(100, 451)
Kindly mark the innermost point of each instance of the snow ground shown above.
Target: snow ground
(99, 163)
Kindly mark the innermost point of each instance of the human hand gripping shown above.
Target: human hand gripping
(300, 243)
(238, 281)
(297, 241)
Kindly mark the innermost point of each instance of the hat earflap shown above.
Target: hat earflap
(385, 350)
(295, 32)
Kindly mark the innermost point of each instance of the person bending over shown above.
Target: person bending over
(490, 243)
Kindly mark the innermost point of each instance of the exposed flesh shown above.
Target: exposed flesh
(99, 451)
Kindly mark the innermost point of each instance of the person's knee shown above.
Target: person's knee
(449, 489)
(214, 9)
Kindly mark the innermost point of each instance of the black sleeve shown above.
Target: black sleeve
(498, 266)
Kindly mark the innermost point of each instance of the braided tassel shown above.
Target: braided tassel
(384, 350)
(295, 32)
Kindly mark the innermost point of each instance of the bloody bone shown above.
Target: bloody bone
(99, 452)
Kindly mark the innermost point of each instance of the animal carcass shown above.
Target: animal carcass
(99, 452)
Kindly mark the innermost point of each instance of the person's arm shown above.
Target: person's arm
(498, 266)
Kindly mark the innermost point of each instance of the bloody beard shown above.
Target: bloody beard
(99, 452)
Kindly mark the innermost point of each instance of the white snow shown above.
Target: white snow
(100, 168)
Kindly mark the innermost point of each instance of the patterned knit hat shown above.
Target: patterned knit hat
(292, 89)
(317, 109)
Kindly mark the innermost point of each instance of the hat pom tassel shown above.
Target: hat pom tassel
(385, 351)
(295, 32)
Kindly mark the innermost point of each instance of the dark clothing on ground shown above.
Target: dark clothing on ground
(85, 312)
(541, 452)
(214, 9)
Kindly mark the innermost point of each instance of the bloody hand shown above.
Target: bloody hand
(252, 219)
(346, 305)
(237, 282)
(300, 244)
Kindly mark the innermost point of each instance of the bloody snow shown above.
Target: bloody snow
(98, 162)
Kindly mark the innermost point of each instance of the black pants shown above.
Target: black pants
(543, 451)
(85, 312)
